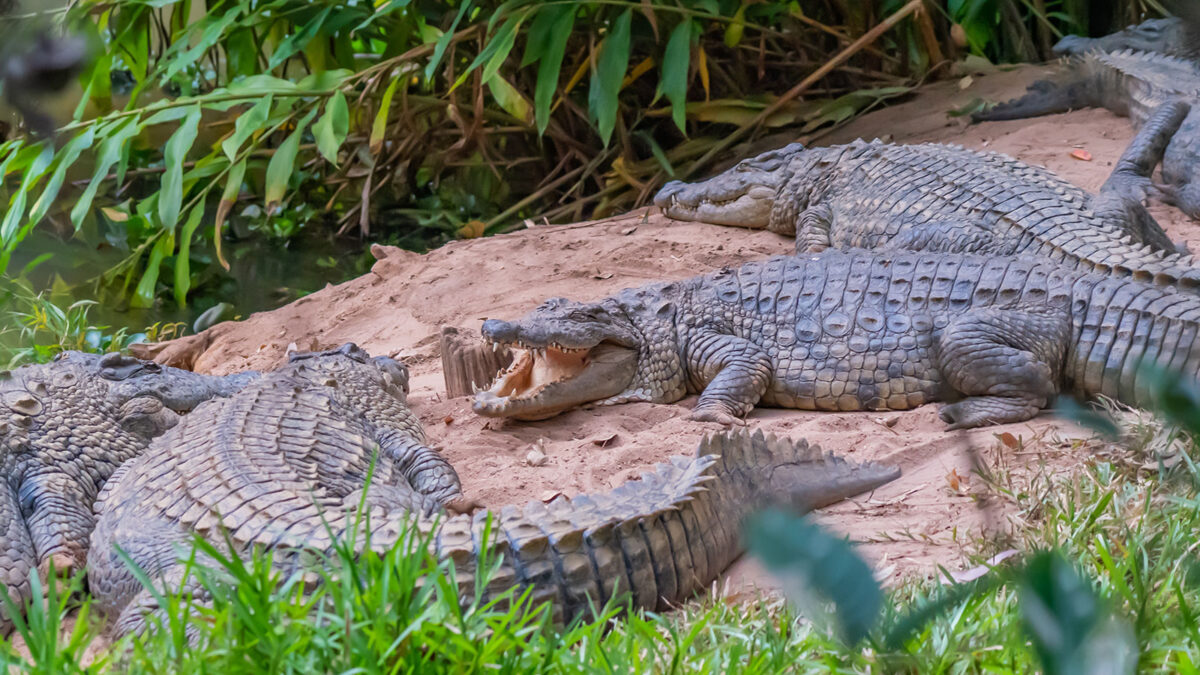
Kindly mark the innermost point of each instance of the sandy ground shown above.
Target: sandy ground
(925, 519)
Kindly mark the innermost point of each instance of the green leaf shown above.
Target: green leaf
(676, 60)
(283, 163)
(261, 84)
(814, 565)
(551, 63)
(296, 41)
(1071, 631)
(65, 159)
(439, 49)
(326, 80)
(183, 278)
(143, 295)
(241, 53)
(498, 48)
(510, 99)
(332, 128)
(605, 88)
(109, 152)
(16, 206)
(214, 28)
(170, 196)
(657, 151)
(379, 126)
(247, 124)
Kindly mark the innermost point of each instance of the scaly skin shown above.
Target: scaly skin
(1133, 84)
(863, 330)
(1163, 36)
(658, 540)
(265, 463)
(69, 425)
(930, 197)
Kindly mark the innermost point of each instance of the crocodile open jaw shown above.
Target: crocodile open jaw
(545, 381)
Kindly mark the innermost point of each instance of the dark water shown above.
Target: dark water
(264, 273)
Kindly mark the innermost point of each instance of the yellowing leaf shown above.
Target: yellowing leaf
(702, 68)
(380, 124)
(471, 229)
(510, 99)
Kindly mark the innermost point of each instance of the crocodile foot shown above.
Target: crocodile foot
(718, 416)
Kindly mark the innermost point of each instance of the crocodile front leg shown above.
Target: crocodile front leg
(16, 554)
(1007, 363)
(425, 469)
(60, 520)
(733, 372)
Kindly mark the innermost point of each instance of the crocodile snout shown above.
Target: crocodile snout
(666, 195)
(499, 331)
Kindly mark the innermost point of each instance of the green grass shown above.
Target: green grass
(1130, 532)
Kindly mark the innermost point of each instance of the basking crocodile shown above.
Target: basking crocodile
(1170, 35)
(265, 462)
(852, 330)
(931, 197)
(658, 540)
(69, 425)
(1133, 84)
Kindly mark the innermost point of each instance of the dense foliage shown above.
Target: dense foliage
(412, 121)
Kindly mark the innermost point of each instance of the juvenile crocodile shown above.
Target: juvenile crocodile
(852, 330)
(1133, 84)
(931, 197)
(266, 462)
(69, 424)
(658, 540)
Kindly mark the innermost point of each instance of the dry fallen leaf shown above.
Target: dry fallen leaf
(980, 570)
(604, 440)
(957, 483)
(966, 82)
(1081, 154)
(471, 229)
(1009, 440)
(550, 496)
(447, 419)
(602, 275)
(535, 458)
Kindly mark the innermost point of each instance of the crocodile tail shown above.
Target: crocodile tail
(1073, 90)
(657, 540)
(1125, 332)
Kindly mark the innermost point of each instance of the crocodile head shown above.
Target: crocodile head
(742, 196)
(568, 354)
(79, 391)
(350, 367)
(1164, 36)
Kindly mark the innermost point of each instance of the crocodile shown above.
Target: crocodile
(1133, 84)
(946, 198)
(265, 463)
(1169, 35)
(70, 424)
(994, 337)
(656, 541)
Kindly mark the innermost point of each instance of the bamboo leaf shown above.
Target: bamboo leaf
(183, 278)
(498, 48)
(16, 207)
(379, 126)
(331, 129)
(170, 195)
(551, 63)
(143, 295)
(676, 59)
(605, 89)
(282, 163)
(510, 99)
(233, 185)
(214, 29)
(252, 121)
(439, 49)
(107, 155)
(66, 157)
(298, 40)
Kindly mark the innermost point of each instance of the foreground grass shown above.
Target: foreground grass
(1131, 532)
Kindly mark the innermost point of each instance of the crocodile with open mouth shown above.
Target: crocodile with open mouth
(852, 330)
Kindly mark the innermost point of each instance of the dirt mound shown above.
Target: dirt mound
(909, 526)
